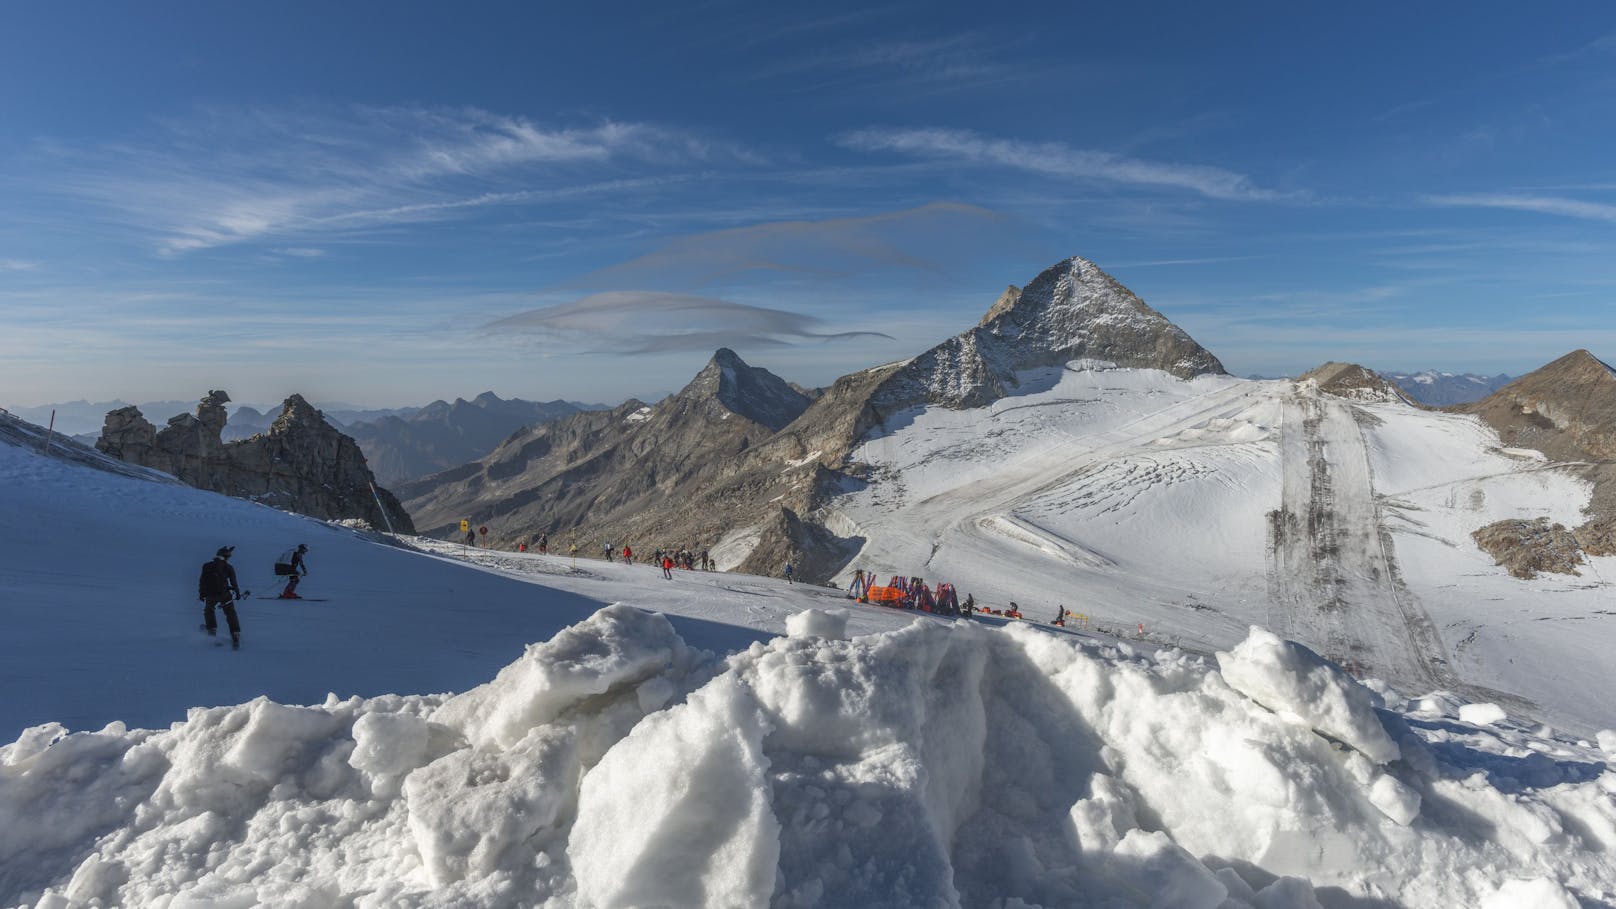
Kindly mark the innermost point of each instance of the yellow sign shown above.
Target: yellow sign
(465, 526)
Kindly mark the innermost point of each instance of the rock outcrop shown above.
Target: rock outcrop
(301, 463)
(1528, 547)
(743, 459)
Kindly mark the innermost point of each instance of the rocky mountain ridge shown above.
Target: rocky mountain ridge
(603, 471)
(755, 492)
(301, 463)
(1566, 410)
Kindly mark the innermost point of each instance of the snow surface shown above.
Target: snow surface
(1187, 511)
(674, 749)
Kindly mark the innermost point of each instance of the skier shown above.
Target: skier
(788, 574)
(968, 608)
(628, 555)
(290, 566)
(217, 587)
(1060, 616)
(667, 567)
(471, 538)
(544, 544)
(607, 548)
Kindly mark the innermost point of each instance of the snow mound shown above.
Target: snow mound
(935, 765)
(1303, 687)
(1482, 714)
(818, 623)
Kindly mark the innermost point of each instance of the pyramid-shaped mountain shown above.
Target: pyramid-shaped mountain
(741, 462)
(1072, 310)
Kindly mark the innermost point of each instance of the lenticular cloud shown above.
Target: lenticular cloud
(935, 765)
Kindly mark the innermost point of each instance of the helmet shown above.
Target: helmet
(225, 551)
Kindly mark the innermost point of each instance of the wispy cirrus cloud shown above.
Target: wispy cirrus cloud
(960, 60)
(1055, 159)
(652, 322)
(916, 238)
(17, 265)
(1547, 205)
(238, 176)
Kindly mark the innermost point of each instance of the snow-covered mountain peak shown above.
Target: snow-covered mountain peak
(1073, 310)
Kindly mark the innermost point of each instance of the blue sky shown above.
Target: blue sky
(386, 203)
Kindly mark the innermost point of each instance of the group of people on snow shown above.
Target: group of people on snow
(218, 588)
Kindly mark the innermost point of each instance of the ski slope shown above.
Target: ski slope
(468, 728)
(1194, 509)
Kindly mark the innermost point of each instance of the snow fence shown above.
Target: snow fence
(937, 765)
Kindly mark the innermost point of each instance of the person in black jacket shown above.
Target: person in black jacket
(290, 566)
(218, 587)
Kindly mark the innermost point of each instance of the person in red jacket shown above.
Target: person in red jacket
(667, 567)
(628, 555)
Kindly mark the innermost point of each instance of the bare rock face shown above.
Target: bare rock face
(301, 464)
(1597, 537)
(1528, 547)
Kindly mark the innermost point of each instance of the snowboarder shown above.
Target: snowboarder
(291, 567)
(788, 574)
(217, 587)
(667, 567)
(1060, 616)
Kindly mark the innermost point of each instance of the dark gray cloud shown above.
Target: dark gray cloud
(631, 321)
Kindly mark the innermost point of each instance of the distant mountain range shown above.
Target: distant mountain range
(1445, 389)
(441, 435)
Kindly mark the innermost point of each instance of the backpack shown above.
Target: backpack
(212, 582)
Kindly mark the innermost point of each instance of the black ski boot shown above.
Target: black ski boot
(235, 642)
